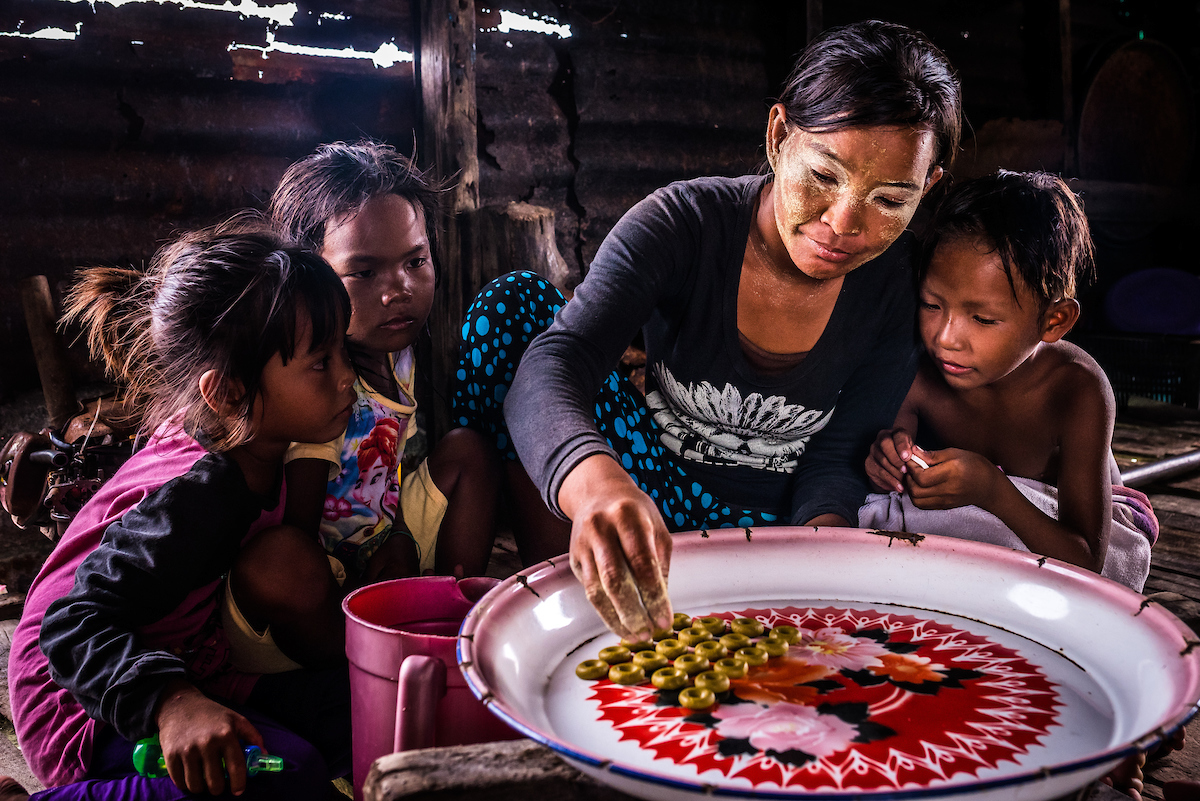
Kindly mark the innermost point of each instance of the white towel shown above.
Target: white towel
(1134, 527)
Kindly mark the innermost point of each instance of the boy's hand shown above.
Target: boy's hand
(196, 733)
(886, 463)
(954, 478)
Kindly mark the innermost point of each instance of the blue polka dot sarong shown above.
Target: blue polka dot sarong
(505, 317)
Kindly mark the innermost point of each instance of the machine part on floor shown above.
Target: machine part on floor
(1161, 470)
(46, 479)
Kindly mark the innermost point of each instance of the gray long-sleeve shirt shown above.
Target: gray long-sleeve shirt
(791, 444)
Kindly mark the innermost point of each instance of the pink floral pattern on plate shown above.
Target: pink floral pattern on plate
(836, 649)
(785, 727)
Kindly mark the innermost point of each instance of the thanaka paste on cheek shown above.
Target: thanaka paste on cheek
(796, 179)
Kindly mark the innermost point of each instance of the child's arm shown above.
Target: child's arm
(307, 480)
(197, 735)
(893, 447)
(174, 544)
(285, 582)
(1080, 536)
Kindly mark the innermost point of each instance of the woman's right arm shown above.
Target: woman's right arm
(620, 547)
(617, 533)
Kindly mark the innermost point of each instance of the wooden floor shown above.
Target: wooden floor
(1145, 433)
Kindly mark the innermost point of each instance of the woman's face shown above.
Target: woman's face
(842, 197)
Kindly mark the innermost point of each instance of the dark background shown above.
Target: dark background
(144, 120)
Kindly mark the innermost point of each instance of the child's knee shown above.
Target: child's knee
(280, 564)
(464, 452)
(472, 448)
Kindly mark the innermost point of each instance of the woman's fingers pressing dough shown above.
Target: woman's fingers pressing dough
(645, 601)
(623, 592)
(622, 564)
(585, 571)
(620, 547)
(660, 607)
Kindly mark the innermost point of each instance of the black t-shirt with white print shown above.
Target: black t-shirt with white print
(791, 443)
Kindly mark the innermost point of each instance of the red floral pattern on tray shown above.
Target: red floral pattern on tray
(863, 700)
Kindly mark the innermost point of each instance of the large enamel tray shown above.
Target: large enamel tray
(928, 667)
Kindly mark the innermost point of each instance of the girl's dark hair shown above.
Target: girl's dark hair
(339, 179)
(876, 73)
(226, 298)
(1032, 219)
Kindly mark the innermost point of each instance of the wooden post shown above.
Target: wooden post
(445, 75)
(518, 236)
(48, 351)
(1070, 156)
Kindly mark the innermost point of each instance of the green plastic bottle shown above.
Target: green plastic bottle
(148, 759)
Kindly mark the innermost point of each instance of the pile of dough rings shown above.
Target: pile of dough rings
(698, 657)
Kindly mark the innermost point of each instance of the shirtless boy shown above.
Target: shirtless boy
(999, 393)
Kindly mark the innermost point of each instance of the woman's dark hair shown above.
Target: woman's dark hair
(226, 298)
(338, 179)
(875, 73)
(1032, 219)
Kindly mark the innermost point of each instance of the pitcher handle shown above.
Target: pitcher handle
(422, 685)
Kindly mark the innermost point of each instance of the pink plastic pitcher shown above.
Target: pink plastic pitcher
(406, 690)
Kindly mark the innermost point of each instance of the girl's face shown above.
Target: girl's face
(381, 253)
(842, 197)
(973, 327)
(310, 398)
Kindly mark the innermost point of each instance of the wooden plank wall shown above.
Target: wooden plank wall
(147, 122)
(446, 76)
(642, 93)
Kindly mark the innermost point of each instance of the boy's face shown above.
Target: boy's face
(382, 255)
(974, 329)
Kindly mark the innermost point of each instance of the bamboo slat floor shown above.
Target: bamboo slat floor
(1147, 433)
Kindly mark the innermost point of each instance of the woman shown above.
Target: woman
(778, 317)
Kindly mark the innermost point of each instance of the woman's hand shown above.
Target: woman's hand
(886, 463)
(954, 478)
(197, 734)
(620, 547)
